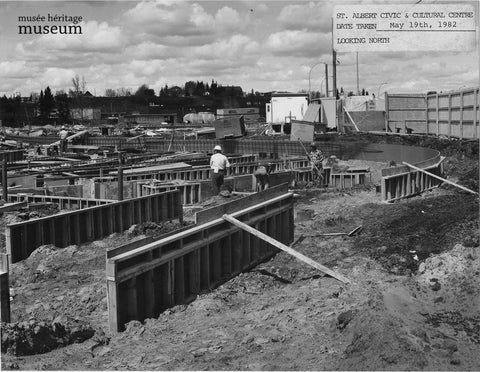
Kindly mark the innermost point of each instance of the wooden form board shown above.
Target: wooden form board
(412, 182)
(12, 155)
(190, 192)
(201, 173)
(145, 281)
(212, 213)
(89, 224)
(61, 201)
(4, 289)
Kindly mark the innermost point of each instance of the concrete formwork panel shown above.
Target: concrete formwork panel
(144, 281)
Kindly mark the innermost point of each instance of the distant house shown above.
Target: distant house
(233, 90)
(87, 94)
(88, 113)
(175, 91)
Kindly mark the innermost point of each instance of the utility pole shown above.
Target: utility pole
(358, 84)
(334, 72)
(334, 67)
(326, 80)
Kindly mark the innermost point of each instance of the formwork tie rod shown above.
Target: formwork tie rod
(440, 178)
(285, 248)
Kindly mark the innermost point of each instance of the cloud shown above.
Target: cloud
(298, 43)
(15, 70)
(314, 16)
(236, 47)
(169, 18)
(181, 23)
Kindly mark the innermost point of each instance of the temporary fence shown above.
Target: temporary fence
(145, 281)
(451, 114)
(403, 182)
(85, 225)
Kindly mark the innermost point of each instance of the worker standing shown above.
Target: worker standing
(262, 175)
(218, 164)
(316, 158)
(63, 134)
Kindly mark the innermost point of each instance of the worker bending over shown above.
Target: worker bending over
(218, 164)
(262, 175)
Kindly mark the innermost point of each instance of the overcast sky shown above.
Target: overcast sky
(260, 45)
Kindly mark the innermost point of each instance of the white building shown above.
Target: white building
(284, 107)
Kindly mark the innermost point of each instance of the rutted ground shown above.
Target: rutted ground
(413, 302)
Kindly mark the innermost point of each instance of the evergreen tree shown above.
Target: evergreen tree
(46, 103)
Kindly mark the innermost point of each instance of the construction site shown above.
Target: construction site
(117, 254)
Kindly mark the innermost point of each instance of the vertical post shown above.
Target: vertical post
(5, 179)
(358, 79)
(449, 115)
(4, 289)
(326, 80)
(120, 183)
(475, 115)
(334, 68)
(438, 113)
(426, 114)
(461, 114)
(386, 112)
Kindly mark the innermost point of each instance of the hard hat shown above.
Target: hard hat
(218, 147)
(313, 144)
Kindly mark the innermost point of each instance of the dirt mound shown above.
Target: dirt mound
(154, 229)
(402, 235)
(33, 337)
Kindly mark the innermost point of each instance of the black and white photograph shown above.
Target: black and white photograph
(271, 185)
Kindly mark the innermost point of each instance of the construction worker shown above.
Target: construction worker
(63, 134)
(316, 158)
(262, 176)
(218, 164)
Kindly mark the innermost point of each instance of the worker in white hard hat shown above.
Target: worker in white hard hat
(63, 134)
(218, 164)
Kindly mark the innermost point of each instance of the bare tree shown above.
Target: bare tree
(110, 92)
(79, 89)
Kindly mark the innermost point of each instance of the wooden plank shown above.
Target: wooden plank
(440, 178)
(204, 267)
(285, 248)
(112, 300)
(4, 288)
(210, 214)
(179, 280)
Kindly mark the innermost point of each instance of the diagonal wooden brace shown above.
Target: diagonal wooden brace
(285, 248)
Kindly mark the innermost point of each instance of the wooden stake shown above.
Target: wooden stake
(440, 178)
(285, 248)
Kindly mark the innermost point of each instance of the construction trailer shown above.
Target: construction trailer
(285, 107)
